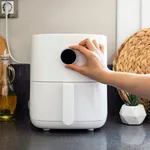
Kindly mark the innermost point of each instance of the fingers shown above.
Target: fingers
(74, 67)
(88, 43)
(101, 47)
(92, 45)
(96, 44)
(81, 49)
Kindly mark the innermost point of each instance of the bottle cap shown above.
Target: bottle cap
(5, 56)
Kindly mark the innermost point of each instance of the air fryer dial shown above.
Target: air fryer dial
(68, 56)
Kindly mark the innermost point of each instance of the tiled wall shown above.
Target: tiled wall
(132, 15)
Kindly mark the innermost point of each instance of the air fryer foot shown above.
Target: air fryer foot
(90, 130)
(46, 130)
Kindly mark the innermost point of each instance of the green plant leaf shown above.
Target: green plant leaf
(132, 99)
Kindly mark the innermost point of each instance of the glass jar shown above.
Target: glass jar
(8, 98)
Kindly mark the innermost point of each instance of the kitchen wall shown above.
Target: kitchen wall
(132, 16)
(60, 16)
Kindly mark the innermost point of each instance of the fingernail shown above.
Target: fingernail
(66, 66)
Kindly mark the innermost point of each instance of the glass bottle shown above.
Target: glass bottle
(8, 98)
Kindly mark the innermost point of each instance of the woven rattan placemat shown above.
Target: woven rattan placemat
(134, 56)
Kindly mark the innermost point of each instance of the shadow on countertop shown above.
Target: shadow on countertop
(22, 135)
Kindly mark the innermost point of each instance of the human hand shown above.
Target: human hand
(95, 67)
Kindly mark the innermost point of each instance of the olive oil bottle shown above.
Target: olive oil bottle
(8, 99)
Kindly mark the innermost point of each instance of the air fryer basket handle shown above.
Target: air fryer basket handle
(68, 103)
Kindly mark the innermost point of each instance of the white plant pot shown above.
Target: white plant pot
(132, 115)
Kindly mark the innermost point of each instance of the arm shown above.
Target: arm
(96, 69)
(129, 82)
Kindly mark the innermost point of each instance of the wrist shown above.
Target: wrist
(106, 77)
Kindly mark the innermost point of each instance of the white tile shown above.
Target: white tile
(128, 18)
(145, 15)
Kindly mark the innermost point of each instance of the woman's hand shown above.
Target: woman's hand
(95, 68)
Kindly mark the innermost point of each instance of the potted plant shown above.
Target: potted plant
(132, 113)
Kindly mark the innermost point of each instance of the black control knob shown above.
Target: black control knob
(68, 56)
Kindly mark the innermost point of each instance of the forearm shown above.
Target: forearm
(132, 83)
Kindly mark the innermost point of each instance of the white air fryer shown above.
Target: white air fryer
(61, 98)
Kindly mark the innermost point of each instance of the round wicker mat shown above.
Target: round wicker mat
(134, 56)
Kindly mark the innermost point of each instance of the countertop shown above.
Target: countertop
(21, 135)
